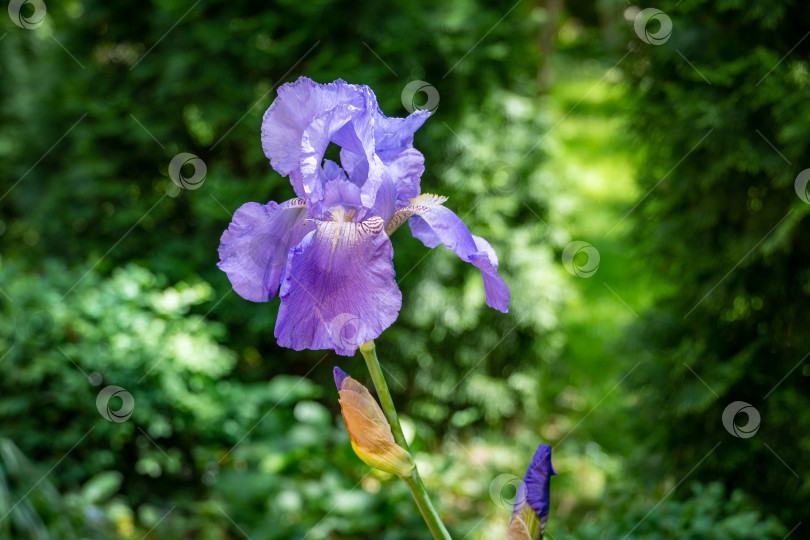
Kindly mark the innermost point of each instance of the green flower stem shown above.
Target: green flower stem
(413, 481)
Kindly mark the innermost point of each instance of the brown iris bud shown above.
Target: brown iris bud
(368, 428)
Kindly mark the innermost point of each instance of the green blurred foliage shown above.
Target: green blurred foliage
(108, 275)
(725, 232)
(709, 513)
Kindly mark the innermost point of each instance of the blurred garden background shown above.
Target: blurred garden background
(673, 154)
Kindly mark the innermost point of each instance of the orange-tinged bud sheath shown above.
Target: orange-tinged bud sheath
(368, 428)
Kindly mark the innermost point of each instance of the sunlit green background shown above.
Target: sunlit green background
(556, 123)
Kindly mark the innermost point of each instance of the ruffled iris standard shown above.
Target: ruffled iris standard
(328, 249)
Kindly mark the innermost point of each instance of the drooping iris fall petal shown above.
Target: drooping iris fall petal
(435, 224)
(253, 250)
(338, 289)
(369, 431)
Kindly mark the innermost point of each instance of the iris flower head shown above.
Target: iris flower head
(326, 251)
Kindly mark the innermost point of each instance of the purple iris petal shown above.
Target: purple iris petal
(393, 139)
(385, 198)
(341, 200)
(291, 113)
(406, 166)
(333, 171)
(393, 133)
(306, 117)
(323, 128)
(435, 224)
(340, 376)
(253, 250)
(355, 165)
(338, 290)
(537, 482)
